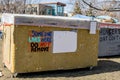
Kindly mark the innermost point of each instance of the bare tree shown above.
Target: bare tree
(85, 9)
(89, 11)
(77, 8)
(12, 6)
(97, 7)
(106, 7)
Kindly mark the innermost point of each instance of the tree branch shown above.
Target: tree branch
(108, 10)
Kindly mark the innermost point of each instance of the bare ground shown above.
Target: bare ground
(107, 69)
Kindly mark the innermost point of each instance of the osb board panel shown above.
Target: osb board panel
(8, 47)
(26, 61)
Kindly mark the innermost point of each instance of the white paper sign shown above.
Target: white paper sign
(64, 41)
(93, 26)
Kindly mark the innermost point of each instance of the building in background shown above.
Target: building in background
(54, 8)
(38, 9)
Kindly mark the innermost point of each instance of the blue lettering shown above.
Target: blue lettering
(46, 40)
(41, 34)
(49, 34)
(34, 33)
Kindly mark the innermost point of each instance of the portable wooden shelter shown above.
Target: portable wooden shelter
(42, 43)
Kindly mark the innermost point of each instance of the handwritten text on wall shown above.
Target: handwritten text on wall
(40, 41)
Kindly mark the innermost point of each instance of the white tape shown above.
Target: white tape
(93, 26)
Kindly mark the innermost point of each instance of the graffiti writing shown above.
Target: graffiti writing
(106, 31)
(40, 41)
(109, 34)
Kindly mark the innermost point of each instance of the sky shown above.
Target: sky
(68, 8)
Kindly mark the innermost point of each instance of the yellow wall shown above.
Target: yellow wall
(26, 61)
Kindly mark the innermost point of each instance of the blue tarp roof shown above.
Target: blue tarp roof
(98, 17)
(82, 16)
(107, 17)
(104, 17)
